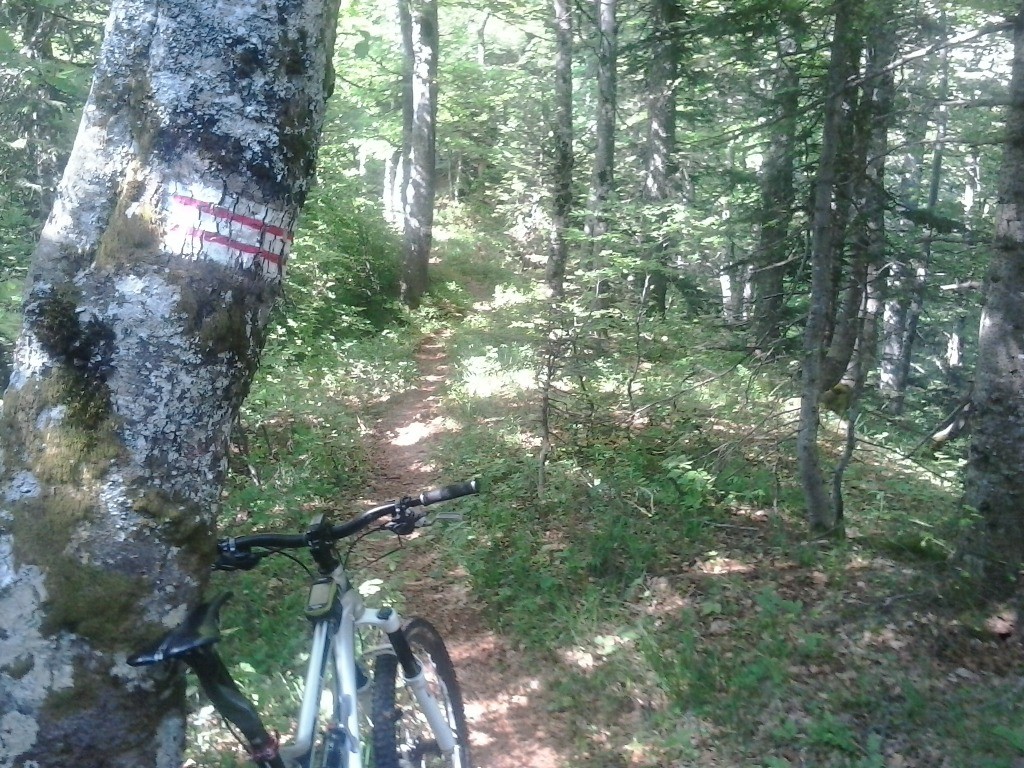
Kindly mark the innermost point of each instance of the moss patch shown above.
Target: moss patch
(83, 351)
(180, 521)
(219, 313)
(96, 603)
(131, 239)
(43, 528)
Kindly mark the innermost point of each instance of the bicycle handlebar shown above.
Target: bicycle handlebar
(235, 553)
(449, 492)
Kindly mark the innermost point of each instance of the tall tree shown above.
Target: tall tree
(661, 84)
(778, 194)
(144, 318)
(602, 183)
(907, 277)
(562, 152)
(993, 549)
(422, 52)
(822, 513)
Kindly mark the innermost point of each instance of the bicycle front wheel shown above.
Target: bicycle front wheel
(402, 737)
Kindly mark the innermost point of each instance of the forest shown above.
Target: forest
(720, 301)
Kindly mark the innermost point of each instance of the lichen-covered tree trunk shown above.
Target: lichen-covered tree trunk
(562, 154)
(421, 182)
(993, 549)
(143, 320)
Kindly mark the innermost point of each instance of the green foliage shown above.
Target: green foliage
(343, 275)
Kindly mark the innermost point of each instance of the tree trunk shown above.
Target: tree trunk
(562, 162)
(772, 262)
(868, 241)
(398, 173)
(145, 313)
(662, 73)
(419, 195)
(907, 281)
(993, 549)
(394, 189)
(602, 181)
(873, 201)
(821, 513)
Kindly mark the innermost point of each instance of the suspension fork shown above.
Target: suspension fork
(232, 704)
(412, 672)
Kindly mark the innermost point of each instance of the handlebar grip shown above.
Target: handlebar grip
(449, 492)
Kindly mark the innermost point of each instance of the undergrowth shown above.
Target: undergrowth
(658, 567)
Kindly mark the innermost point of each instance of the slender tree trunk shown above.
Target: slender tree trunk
(908, 281)
(562, 162)
(419, 195)
(661, 139)
(821, 513)
(868, 241)
(602, 183)
(880, 94)
(993, 549)
(400, 176)
(772, 262)
(145, 313)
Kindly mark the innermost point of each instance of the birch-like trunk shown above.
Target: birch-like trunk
(602, 182)
(993, 548)
(421, 179)
(144, 317)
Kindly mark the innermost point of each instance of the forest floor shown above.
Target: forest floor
(508, 727)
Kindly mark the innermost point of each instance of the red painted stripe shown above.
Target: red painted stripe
(227, 242)
(226, 213)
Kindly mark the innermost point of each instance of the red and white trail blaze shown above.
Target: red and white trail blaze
(230, 231)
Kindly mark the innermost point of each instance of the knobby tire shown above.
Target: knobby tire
(401, 736)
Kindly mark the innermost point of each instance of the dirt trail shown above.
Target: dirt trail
(508, 723)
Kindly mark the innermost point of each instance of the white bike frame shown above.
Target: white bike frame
(341, 648)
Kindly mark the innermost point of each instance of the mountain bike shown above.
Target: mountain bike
(405, 711)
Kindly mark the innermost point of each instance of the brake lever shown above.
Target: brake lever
(237, 561)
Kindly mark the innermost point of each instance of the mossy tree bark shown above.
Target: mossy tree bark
(144, 316)
(993, 549)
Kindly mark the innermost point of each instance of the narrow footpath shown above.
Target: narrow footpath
(509, 724)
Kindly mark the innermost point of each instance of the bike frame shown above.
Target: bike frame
(334, 639)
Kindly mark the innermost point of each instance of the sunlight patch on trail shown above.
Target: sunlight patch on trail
(417, 431)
